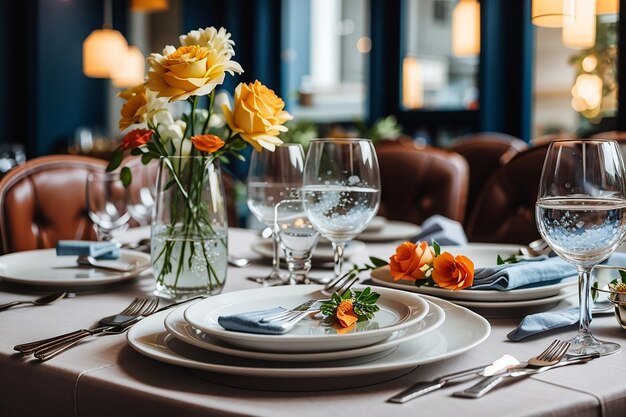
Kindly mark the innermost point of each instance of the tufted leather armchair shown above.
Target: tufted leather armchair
(485, 153)
(419, 182)
(43, 201)
(505, 209)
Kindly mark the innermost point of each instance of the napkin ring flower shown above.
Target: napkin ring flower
(426, 266)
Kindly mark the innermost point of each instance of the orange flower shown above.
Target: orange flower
(453, 273)
(345, 313)
(411, 261)
(207, 143)
(136, 138)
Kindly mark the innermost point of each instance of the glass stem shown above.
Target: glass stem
(584, 298)
(275, 248)
(338, 248)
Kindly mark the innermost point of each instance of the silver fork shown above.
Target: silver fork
(551, 356)
(130, 312)
(51, 351)
(289, 318)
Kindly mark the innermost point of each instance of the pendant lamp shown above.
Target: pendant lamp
(466, 28)
(149, 5)
(607, 7)
(131, 70)
(103, 48)
(553, 13)
(582, 33)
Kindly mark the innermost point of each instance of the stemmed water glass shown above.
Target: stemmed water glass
(581, 213)
(141, 193)
(106, 203)
(298, 238)
(341, 190)
(272, 178)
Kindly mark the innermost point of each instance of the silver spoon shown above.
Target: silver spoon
(41, 301)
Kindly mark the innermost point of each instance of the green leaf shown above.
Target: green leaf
(500, 261)
(622, 274)
(126, 176)
(378, 262)
(137, 151)
(594, 291)
(437, 248)
(116, 160)
(147, 157)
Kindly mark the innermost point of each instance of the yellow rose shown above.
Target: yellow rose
(191, 70)
(257, 116)
(136, 106)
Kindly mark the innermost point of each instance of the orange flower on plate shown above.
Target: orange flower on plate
(345, 314)
(136, 138)
(453, 273)
(411, 261)
(207, 143)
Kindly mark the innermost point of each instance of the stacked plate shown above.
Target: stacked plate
(409, 330)
(490, 303)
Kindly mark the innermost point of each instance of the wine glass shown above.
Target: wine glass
(106, 203)
(581, 213)
(140, 194)
(341, 190)
(298, 238)
(273, 177)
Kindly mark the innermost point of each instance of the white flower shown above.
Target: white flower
(155, 104)
(211, 38)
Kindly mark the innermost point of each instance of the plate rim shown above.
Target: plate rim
(374, 236)
(375, 367)
(302, 357)
(354, 246)
(229, 336)
(73, 282)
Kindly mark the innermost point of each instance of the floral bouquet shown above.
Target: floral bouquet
(189, 230)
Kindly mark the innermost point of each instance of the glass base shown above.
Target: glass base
(584, 344)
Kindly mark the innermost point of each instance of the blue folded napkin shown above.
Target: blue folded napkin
(534, 272)
(98, 250)
(250, 322)
(445, 231)
(542, 322)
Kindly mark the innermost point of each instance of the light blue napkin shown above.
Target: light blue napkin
(445, 231)
(250, 322)
(542, 322)
(537, 271)
(98, 250)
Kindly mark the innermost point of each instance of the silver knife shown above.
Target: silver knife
(487, 384)
(425, 387)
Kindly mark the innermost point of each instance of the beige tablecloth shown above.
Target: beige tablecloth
(106, 377)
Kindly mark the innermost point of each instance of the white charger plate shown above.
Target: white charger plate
(44, 268)
(482, 255)
(177, 326)
(391, 231)
(461, 330)
(398, 310)
(322, 253)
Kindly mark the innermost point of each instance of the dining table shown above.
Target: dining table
(104, 376)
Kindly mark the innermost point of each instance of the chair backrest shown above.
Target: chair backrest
(43, 201)
(485, 153)
(505, 209)
(420, 182)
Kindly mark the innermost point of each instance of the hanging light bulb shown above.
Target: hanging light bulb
(149, 5)
(607, 7)
(412, 83)
(582, 33)
(131, 70)
(553, 13)
(103, 48)
(466, 28)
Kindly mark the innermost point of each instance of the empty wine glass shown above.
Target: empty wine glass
(341, 190)
(273, 177)
(298, 238)
(106, 203)
(581, 213)
(140, 194)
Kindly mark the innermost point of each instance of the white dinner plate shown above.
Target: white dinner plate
(461, 330)
(177, 326)
(482, 255)
(44, 268)
(398, 310)
(377, 223)
(391, 231)
(323, 252)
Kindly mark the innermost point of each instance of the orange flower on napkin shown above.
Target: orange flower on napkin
(411, 261)
(345, 314)
(453, 273)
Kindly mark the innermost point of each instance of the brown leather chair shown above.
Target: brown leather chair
(419, 182)
(43, 201)
(485, 154)
(505, 209)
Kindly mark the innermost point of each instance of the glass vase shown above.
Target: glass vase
(189, 233)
